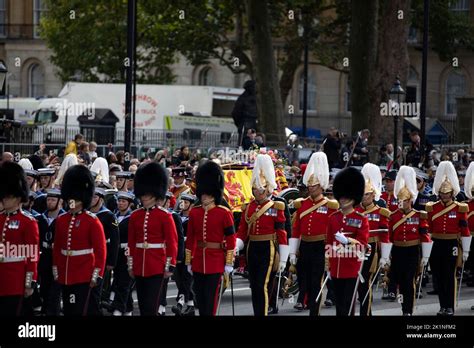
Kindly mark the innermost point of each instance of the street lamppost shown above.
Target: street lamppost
(303, 33)
(3, 77)
(396, 96)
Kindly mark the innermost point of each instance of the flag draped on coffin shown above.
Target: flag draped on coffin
(238, 190)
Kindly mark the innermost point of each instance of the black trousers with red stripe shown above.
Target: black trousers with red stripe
(76, 297)
(149, 292)
(344, 291)
(312, 259)
(404, 267)
(206, 289)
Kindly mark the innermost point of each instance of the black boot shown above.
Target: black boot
(189, 311)
(178, 309)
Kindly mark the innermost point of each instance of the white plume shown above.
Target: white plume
(264, 164)
(469, 181)
(446, 171)
(406, 176)
(25, 164)
(101, 167)
(318, 165)
(371, 173)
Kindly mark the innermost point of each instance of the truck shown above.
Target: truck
(193, 112)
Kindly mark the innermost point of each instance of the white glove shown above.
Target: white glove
(239, 243)
(190, 270)
(424, 261)
(329, 275)
(341, 238)
(382, 262)
(465, 256)
(228, 269)
(282, 266)
(293, 259)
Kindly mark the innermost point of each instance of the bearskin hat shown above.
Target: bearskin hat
(151, 178)
(349, 183)
(13, 181)
(210, 181)
(78, 184)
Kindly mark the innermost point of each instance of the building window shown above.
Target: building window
(311, 91)
(35, 81)
(455, 87)
(39, 8)
(461, 7)
(206, 77)
(3, 18)
(348, 95)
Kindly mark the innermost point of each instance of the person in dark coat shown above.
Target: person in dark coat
(332, 145)
(245, 109)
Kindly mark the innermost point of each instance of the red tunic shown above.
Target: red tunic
(378, 220)
(389, 198)
(470, 216)
(213, 226)
(20, 252)
(414, 228)
(271, 222)
(80, 232)
(152, 238)
(452, 222)
(314, 223)
(355, 226)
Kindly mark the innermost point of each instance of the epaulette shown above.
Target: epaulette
(91, 214)
(225, 208)
(279, 205)
(163, 209)
(27, 214)
(429, 206)
(359, 213)
(423, 214)
(385, 212)
(298, 202)
(462, 207)
(333, 204)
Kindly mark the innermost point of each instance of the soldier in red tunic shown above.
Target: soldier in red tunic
(309, 228)
(408, 229)
(347, 239)
(447, 223)
(263, 224)
(152, 238)
(210, 238)
(388, 195)
(378, 232)
(79, 248)
(19, 242)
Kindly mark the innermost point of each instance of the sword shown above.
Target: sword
(359, 276)
(86, 305)
(419, 287)
(232, 293)
(220, 295)
(460, 284)
(163, 281)
(371, 284)
(322, 288)
(278, 288)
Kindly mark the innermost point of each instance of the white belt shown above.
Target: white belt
(123, 245)
(46, 245)
(11, 259)
(76, 252)
(151, 245)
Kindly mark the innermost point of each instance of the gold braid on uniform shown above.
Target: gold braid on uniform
(229, 257)
(188, 257)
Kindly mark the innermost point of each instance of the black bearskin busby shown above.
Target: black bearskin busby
(210, 181)
(349, 183)
(13, 181)
(151, 178)
(78, 184)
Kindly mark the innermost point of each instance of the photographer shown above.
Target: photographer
(332, 145)
(361, 149)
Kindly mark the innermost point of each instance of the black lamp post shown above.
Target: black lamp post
(3, 77)
(396, 96)
(304, 35)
